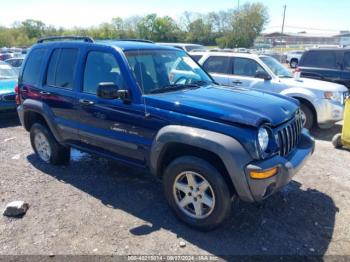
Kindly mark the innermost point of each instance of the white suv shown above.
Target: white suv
(321, 102)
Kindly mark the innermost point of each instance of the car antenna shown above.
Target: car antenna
(142, 87)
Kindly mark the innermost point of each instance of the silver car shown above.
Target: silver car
(321, 102)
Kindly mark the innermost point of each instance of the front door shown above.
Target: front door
(113, 127)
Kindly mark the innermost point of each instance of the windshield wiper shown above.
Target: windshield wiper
(174, 87)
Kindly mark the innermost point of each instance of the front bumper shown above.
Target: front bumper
(328, 111)
(287, 168)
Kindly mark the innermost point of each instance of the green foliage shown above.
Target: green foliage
(246, 24)
(232, 28)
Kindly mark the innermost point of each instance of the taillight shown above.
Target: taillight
(17, 91)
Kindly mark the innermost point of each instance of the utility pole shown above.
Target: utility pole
(238, 4)
(284, 17)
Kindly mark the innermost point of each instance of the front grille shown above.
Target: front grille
(10, 98)
(289, 136)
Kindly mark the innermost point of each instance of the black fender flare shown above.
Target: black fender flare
(31, 105)
(230, 151)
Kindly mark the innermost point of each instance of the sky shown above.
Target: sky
(314, 16)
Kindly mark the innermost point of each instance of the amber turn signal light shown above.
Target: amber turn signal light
(264, 174)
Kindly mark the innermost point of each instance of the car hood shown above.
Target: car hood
(314, 84)
(7, 86)
(228, 104)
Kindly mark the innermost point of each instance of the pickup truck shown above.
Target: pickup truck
(154, 107)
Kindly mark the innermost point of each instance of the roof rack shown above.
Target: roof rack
(53, 38)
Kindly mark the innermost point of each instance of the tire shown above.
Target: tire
(293, 63)
(336, 141)
(309, 121)
(217, 191)
(46, 147)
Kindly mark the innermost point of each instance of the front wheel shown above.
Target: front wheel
(197, 192)
(293, 63)
(307, 116)
(336, 141)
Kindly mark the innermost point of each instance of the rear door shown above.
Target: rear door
(58, 92)
(220, 68)
(321, 65)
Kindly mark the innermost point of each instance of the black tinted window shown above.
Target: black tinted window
(246, 67)
(62, 68)
(31, 74)
(347, 61)
(323, 59)
(218, 64)
(101, 67)
(196, 57)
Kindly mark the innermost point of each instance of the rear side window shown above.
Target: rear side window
(324, 59)
(347, 61)
(31, 73)
(62, 68)
(218, 64)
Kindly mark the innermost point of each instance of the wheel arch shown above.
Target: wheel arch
(224, 152)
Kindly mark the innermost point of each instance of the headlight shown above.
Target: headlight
(263, 138)
(334, 96)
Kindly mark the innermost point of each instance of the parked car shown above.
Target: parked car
(8, 81)
(321, 102)
(209, 144)
(186, 47)
(326, 64)
(6, 55)
(15, 62)
(293, 58)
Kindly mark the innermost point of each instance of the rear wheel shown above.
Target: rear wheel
(46, 146)
(307, 116)
(197, 192)
(293, 63)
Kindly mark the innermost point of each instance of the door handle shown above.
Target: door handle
(86, 102)
(45, 93)
(236, 82)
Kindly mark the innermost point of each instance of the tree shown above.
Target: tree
(247, 24)
(33, 28)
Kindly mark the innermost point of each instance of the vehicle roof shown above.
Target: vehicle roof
(122, 44)
(229, 54)
(178, 44)
(330, 49)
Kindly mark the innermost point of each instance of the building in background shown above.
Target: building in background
(302, 39)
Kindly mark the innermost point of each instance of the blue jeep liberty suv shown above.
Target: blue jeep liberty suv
(154, 107)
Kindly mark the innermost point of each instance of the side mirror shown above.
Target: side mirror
(107, 90)
(110, 90)
(263, 75)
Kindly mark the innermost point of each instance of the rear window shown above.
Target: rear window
(324, 59)
(31, 73)
(62, 67)
(218, 64)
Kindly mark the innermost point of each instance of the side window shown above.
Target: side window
(62, 67)
(101, 67)
(31, 74)
(347, 61)
(218, 64)
(196, 57)
(324, 59)
(246, 67)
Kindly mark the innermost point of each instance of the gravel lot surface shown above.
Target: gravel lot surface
(97, 206)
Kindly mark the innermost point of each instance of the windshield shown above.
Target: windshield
(165, 70)
(6, 71)
(276, 67)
